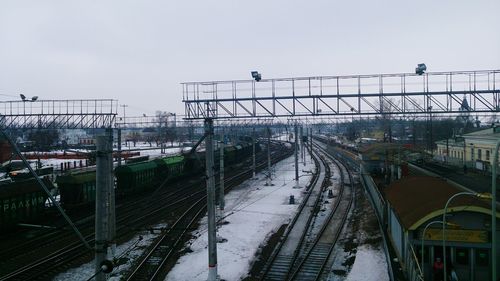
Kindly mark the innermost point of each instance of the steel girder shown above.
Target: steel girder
(392, 94)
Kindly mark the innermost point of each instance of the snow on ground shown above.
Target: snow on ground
(360, 253)
(128, 251)
(153, 153)
(370, 265)
(283, 137)
(253, 212)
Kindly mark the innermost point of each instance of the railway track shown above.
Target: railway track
(285, 254)
(49, 246)
(312, 264)
(153, 265)
(63, 251)
(314, 246)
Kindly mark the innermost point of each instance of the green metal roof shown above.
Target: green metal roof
(229, 148)
(136, 167)
(76, 178)
(170, 160)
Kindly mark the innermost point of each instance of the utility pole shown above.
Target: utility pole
(119, 137)
(296, 147)
(111, 194)
(302, 152)
(268, 180)
(253, 151)
(212, 242)
(221, 173)
(103, 183)
(311, 142)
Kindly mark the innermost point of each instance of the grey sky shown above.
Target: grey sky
(139, 51)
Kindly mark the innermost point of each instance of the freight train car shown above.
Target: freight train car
(77, 188)
(136, 177)
(170, 167)
(137, 159)
(22, 201)
(25, 173)
(230, 154)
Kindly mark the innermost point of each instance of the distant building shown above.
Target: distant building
(73, 136)
(475, 150)
(86, 141)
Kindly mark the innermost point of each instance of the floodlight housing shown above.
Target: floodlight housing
(256, 75)
(421, 68)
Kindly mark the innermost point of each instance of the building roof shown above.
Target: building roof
(417, 199)
(379, 151)
(482, 132)
(459, 142)
(488, 135)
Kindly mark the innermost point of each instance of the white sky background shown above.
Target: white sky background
(140, 51)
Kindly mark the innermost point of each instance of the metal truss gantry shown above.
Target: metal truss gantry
(58, 114)
(396, 94)
(66, 114)
(137, 122)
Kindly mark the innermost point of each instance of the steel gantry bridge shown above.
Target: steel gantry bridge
(456, 93)
(73, 114)
(395, 94)
(58, 114)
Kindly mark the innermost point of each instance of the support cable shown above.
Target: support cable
(42, 185)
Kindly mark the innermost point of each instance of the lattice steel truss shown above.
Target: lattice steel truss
(456, 92)
(58, 114)
(134, 122)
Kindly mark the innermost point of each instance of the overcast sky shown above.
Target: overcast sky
(140, 51)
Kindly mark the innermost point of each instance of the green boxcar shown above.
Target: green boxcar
(230, 154)
(238, 152)
(25, 174)
(22, 201)
(77, 188)
(170, 167)
(136, 177)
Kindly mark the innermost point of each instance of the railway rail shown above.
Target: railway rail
(284, 255)
(153, 265)
(314, 246)
(315, 259)
(60, 250)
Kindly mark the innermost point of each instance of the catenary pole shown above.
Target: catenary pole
(311, 142)
(253, 151)
(111, 196)
(212, 243)
(102, 200)
(303, 145)
(268, 180)
(296, 129)
(494, 237)
(221, 174)
(119, 140)
(45, 189)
